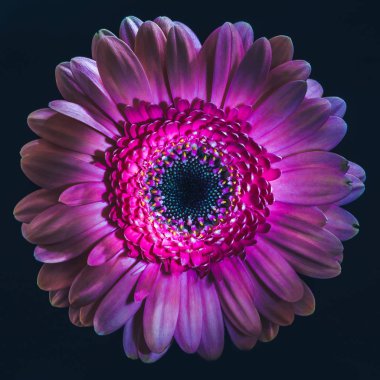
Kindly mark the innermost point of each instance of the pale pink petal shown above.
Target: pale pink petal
(240, 340)
(304, 122)
(282, 50)
(79, 113)
(86, 74)
(180, 62)
(67, 132)
(276, 108)
(218, 60)
(117, 306)
(246, 33)
(189, 326)
(314, 89)
(275, 272)
(212, 339)
(165, 23)
(94, 282)
(341, 222)
(61, 222)
(150, 49)
(235, 290)
(107, 248)
(61, 275)
(73, 247)
(312, 178)
(161, 311)
(146, 281)
(128, 30)
(84, 193)
(121, 71)
(35, 203)
(251, 74)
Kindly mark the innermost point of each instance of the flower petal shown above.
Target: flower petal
(66, 132)
(314, 89)
(240, 340)
(121, 72)
(276, 108)
(189, 325)
(235, 291)
(93, 282)
(161, 312)
(60, 222)
(306, 305)
(212, 339)
(218, 60)
(117, 306)
(269, 330)
(73, 247)
(59, 298)
(338, 106)
(128, 30)
(301, 124)
(35, 203)
(150, 49)
(312, 178)
(146, 281)
(180, 62)
(275, 272)
(246, 33)
(282, 50)
(251, 74)
(83, 193)
(341, 222)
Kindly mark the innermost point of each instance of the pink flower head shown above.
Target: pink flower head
(185, 187)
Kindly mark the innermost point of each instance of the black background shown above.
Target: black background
(341, 340)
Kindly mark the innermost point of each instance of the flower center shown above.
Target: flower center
(189, 187)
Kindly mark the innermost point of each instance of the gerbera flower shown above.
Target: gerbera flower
(185, 187)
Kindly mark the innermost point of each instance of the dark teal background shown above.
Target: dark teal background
(341, 40)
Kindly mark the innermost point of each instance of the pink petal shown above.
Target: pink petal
(165, 23)
(128, 30)
(275, 273)
(282, 50)
(306, 305)
(59, 276)
(150, 49)
(357, 189)
(61, 222)
(357, 171)
(314, 89)
(312, 178)
(240, 340)
(93, 283)
(106, 248)
(84, 193)
(73, 247)
(338, 106)
(341, 222)
(305, 121)
(146, 281)
(276, 108)
(246, 33)
(212, 339)
(51, 167)
(218, 60)
(87, 313)
(97, 37)
(121, 72)
(272, 307)
(35, 203)
(59, 298)
(87, 76)
(117, 306)
(327, 137)
(161, 312)
(251, 74)
(79, 113)
(269, 330)
(192, 35)
(73, 93)
(235, 290)
(66, 132)
(180, 57)
(189, 326)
